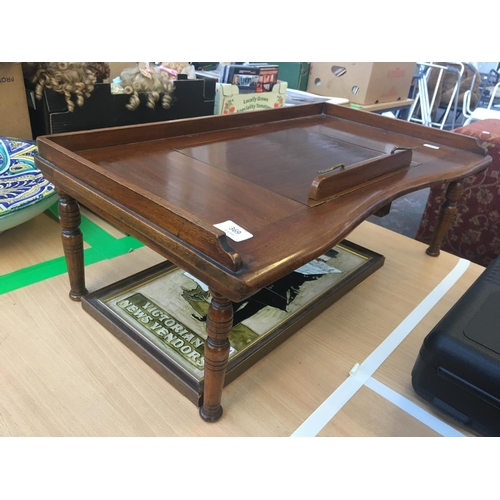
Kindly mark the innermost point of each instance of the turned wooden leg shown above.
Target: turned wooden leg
(219, 325)
(453, 194)
(72, 240)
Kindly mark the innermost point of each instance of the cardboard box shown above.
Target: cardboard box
(190, 98)
(229, 100)
(14, 115)
(362, 82)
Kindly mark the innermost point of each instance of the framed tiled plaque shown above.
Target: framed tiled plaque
(160, 313)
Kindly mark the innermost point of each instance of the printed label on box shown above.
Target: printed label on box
(228, 99)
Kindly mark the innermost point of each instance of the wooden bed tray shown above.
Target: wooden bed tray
(260, 170)
(274, 174)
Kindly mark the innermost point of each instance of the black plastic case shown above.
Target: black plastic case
(458, 367)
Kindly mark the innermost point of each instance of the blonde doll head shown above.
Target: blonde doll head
(73, 79)
(148, 81)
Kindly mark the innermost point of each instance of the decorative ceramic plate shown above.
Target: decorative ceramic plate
(24, 192)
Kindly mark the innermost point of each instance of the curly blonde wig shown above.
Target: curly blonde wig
(73, 79)
(148, 81)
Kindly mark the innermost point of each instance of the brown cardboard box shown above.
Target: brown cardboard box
(362, 82)
(14, 115)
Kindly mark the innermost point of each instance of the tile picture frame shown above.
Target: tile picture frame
(160, 313)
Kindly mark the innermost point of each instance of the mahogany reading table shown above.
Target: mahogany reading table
(285, 186)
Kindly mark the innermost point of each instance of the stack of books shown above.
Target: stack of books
(250, 78)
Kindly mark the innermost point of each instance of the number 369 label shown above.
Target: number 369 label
(235, 232)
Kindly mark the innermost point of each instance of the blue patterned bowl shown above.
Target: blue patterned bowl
(24, 192)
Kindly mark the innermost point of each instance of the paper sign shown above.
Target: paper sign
(233, 231)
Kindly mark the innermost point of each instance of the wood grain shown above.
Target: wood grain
(255, 171)
(167, 185)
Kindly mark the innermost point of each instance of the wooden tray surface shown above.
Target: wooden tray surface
(174, 180)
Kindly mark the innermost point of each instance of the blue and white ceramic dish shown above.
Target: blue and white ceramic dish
(24, 192)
